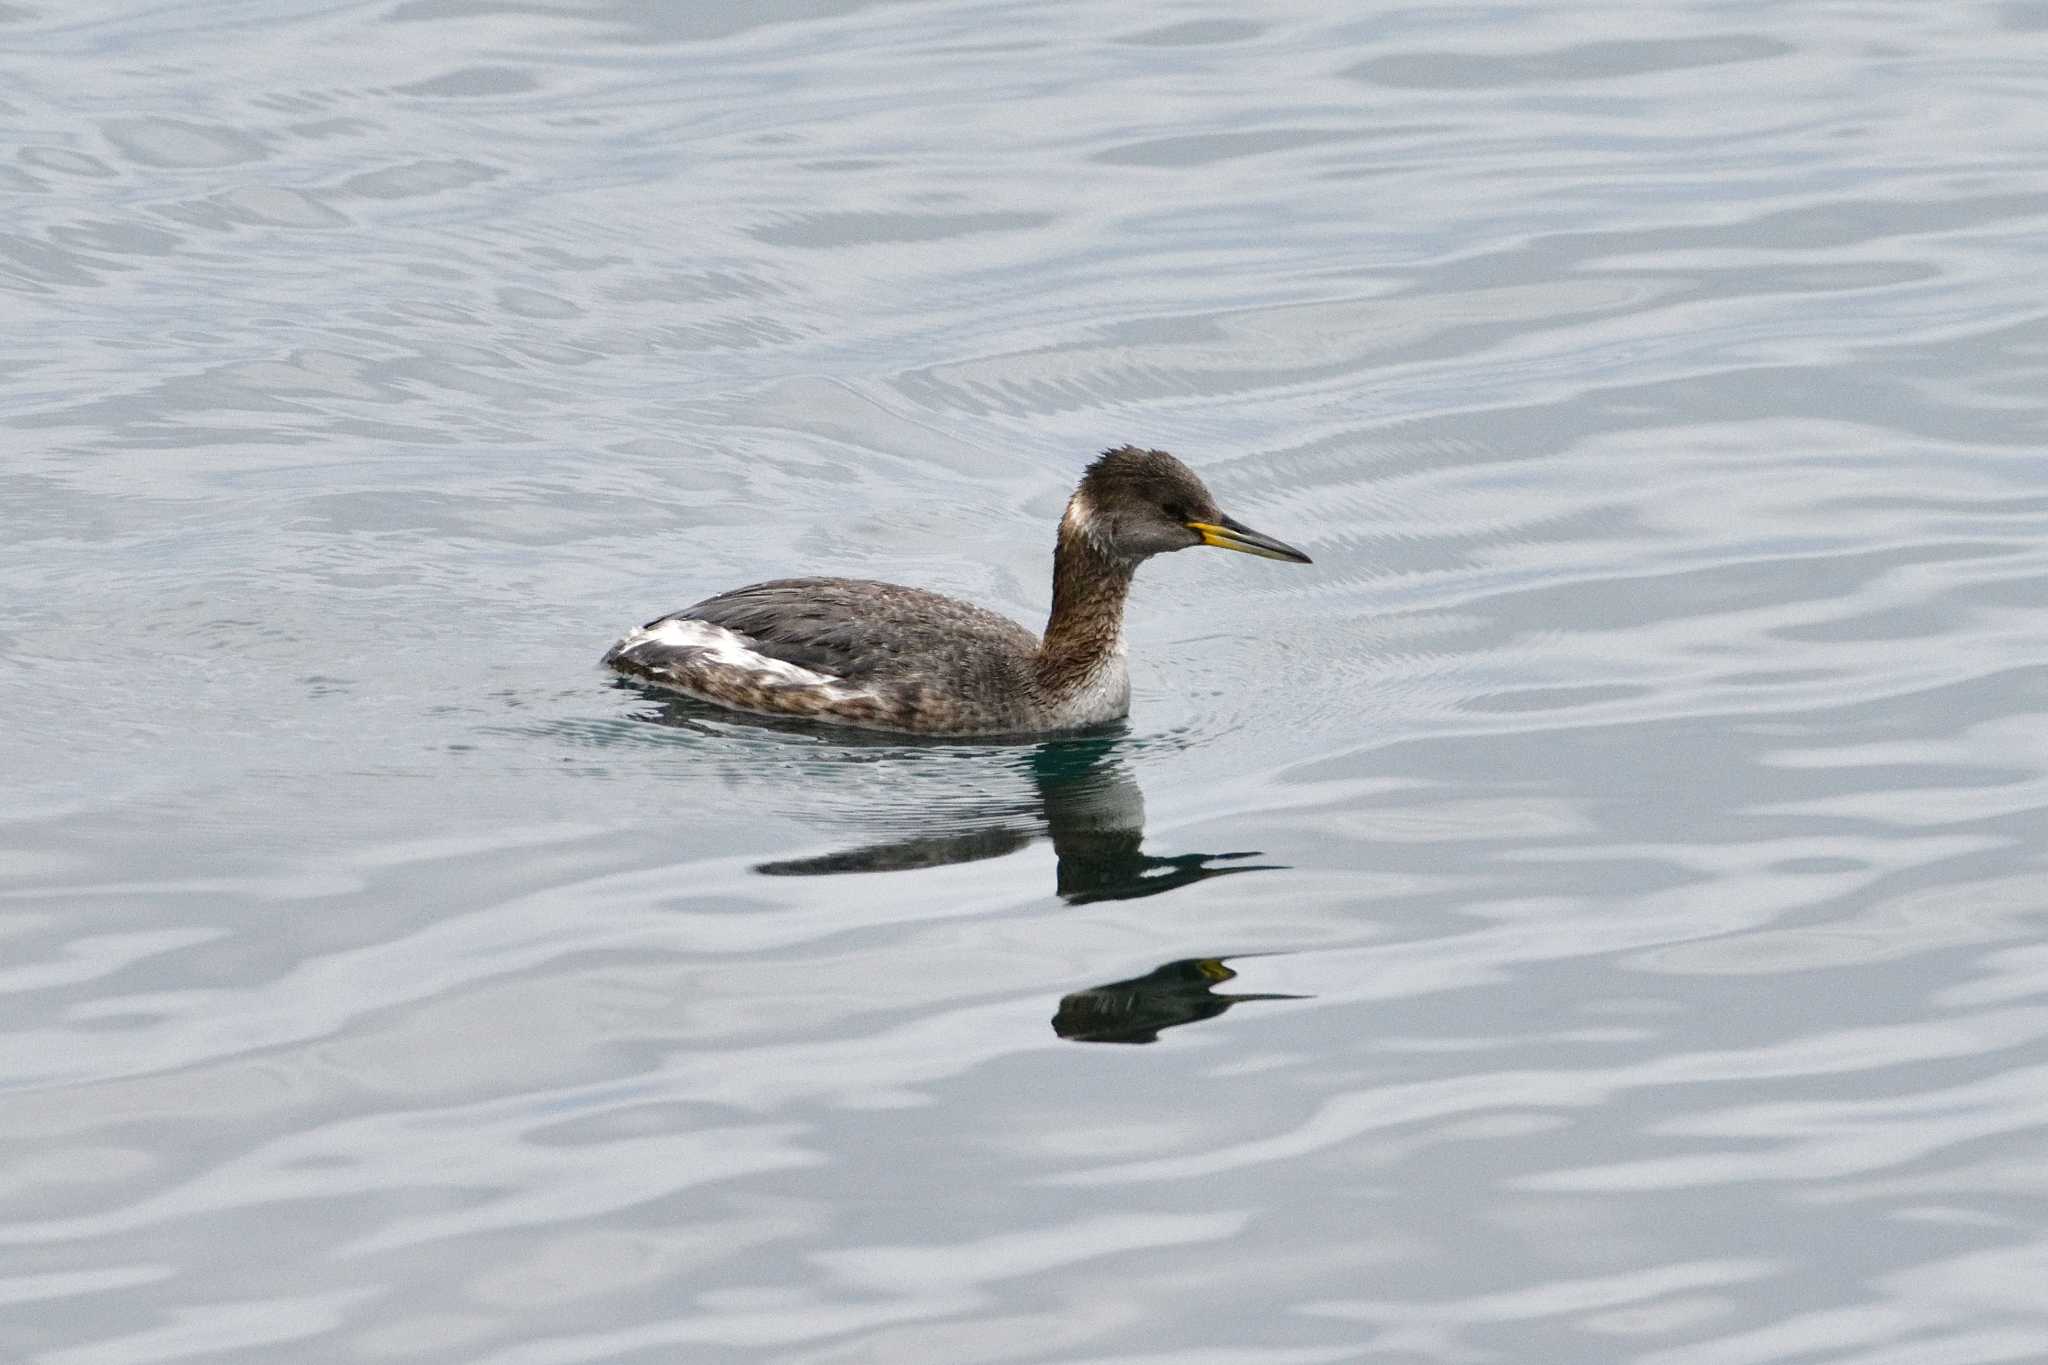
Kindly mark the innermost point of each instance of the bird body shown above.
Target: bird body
(882, 656)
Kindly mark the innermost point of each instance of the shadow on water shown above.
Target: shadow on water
(1078, 791)
(947, 802)
(1135, 1011)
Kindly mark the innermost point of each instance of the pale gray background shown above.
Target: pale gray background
(1655, 751)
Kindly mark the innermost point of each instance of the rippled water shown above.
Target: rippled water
(1596, 913)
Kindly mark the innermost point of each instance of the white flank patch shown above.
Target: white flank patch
(723, 648)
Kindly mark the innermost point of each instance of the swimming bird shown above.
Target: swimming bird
(878, 656)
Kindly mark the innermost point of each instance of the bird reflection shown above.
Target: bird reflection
(1135, 1011)
(1082, 796)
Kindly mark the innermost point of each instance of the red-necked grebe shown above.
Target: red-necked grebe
(848, 651)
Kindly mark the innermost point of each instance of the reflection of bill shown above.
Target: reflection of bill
(1086, 802)
(1135, 1011)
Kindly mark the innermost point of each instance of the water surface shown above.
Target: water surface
(1595, 913)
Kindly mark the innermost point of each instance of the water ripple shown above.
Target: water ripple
(1628, 830)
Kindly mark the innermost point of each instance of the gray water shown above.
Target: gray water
(1626, 838)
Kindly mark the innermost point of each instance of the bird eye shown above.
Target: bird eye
(1177, 510)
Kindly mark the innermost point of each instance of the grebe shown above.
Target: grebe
(848, 651)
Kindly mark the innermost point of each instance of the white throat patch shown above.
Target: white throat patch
(1080, 521)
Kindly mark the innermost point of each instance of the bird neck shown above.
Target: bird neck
(1086, 628)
